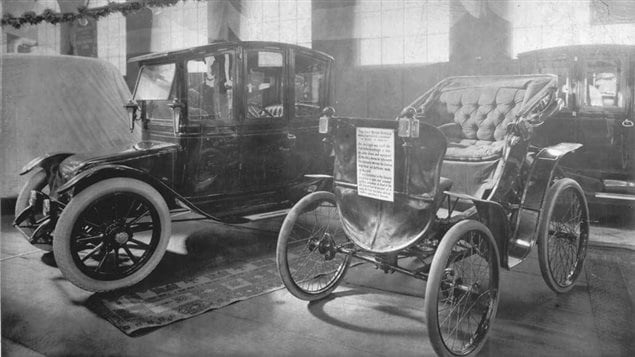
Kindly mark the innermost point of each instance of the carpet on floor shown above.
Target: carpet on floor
(193, 292)
(133, 310)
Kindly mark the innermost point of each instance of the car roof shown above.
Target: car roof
(221, 44)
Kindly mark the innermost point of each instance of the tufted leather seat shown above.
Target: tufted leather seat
(475, 120)
(276, 110)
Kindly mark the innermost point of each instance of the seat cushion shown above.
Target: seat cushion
(483, 113)
(474, 150)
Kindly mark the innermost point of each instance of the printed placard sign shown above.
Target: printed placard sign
(376, 163)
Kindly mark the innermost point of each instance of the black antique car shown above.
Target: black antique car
(596, 83)
(229, 131)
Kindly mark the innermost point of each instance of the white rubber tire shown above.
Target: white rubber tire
(66, 222)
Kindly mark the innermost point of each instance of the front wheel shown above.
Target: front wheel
(112, 234)
(563, 234)
(308, 257)
(462, 291)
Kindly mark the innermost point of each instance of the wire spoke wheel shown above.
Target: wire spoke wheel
(112, 234)
(115, 236)
(563, 235)
(462, 291)
(308, 259)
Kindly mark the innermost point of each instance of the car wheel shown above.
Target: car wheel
(563, 235)
(309, 262)
(112, 234)
(462, 291)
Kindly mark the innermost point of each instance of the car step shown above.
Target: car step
(267, 215)
(615, 196)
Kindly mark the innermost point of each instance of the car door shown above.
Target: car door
(603, 126)
(264, 143)
(212, 140)
(309, 94)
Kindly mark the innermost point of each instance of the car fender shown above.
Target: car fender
(45, 161)
(494, 216)
(102, 172)
(542, 173)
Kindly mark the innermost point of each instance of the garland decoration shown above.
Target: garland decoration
(83, 12)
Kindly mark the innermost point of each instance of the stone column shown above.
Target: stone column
(138, 40)
(480, 35)
(66, 28)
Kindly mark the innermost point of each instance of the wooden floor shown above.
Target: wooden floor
(597, 318)
(372, 314)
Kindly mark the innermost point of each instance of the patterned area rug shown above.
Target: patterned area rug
(134, 310)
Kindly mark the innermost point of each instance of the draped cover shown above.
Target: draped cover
(54, 103)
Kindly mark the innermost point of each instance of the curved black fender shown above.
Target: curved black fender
(542, 173)
(540, 178)
(46, 162)
(102, 172)
(493, 215)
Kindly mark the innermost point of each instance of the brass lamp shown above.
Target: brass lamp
(177, 116)
(132, 108)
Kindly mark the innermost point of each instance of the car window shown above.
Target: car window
(559, 67)
(156, 88)
(601, 83)
(209, 92)
(264, 89)
(310, 75)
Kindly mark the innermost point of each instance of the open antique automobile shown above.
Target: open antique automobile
(228, 132)
(597, 85)
(448, 193)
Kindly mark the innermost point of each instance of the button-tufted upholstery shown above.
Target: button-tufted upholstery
(474, 114)
(481, 116)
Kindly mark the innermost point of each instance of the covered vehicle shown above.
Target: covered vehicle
(229, 131)
(597, 84)
(55, 103)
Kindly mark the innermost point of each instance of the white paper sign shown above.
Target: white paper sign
(376, 163)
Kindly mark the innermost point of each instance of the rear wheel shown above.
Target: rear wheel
(462, 290)
(112, 234)
(563, 235)
(308, 261)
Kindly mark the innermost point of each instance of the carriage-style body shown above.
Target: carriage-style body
(452, 184)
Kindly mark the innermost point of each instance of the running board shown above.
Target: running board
(615, 196)
(267, 215)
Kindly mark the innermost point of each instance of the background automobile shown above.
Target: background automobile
(596, 83)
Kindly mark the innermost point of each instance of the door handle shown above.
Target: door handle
(291, 138)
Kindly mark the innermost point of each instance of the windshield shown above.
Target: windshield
(155, 82)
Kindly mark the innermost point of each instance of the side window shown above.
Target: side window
(264, 89)
(209, 87)
(601, 83)
(560, 67)
(310, 89)
(156, 88)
